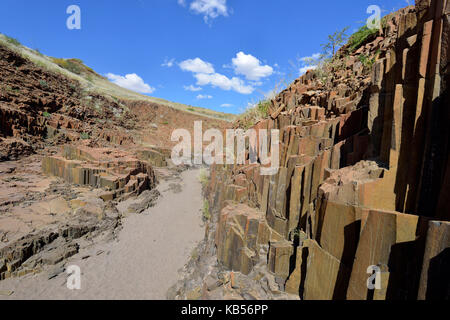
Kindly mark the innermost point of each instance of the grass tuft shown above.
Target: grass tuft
(204, 178)
(85, 136)
(13, 41)
(206, 212)
(260, 111)
(367, 61)
(69, 64)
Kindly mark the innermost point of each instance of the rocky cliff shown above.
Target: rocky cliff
(363, 182)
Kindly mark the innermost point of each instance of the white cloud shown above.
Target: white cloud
(210, 9)
(205, 74)
(250, 67)
(226, 105)
(168, 63)
(223, 82)
(131, 82)
(303, 70)
(201, 96)
(182, 3)
(197, 65)
(192, 88)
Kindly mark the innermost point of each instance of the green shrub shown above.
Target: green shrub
(360, 37)
(204, 178)
(367, 61)
(264, 108)
(46, 115)
(206, 213)
(85, 136)
(43, 83)
(72, 65)
(194, 254)
(191, 109)
(259, 111)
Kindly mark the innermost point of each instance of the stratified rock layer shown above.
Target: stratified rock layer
(364, 175)
(118, 173)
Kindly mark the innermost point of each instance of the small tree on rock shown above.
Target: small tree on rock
(335, 41)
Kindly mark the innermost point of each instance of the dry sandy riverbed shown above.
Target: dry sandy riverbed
(142, 264)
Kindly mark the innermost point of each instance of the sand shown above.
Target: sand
(142, 264)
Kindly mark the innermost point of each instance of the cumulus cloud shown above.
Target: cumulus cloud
(250, 67)
(196, 65)
(210, 9)
(131, 81)
(223, 82)
(201, 96)
(226, 105)
(205, 74)
(192, 88)
(182, 3)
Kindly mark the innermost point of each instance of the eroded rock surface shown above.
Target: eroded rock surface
(115, 171)
(44, 220)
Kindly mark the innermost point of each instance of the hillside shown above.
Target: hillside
(97, 84)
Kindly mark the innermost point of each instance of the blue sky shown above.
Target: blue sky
(217, 54)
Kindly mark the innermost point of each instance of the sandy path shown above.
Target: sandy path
(143, 264)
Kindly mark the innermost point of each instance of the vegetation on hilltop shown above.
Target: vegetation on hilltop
(360, 37)
(76, 66)
(93, 83)
(252, 115)
(13, 41)
(338, 47)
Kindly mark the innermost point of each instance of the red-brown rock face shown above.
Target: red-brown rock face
(365, 173)
(118, 173)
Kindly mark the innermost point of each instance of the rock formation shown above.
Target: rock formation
(120, 175)
(363, 180)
